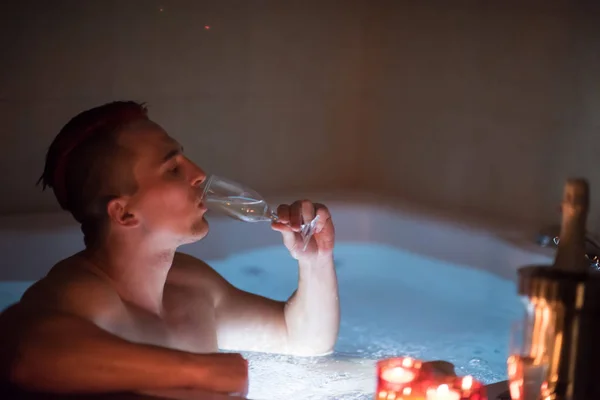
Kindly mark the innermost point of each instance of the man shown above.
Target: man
(130, 313)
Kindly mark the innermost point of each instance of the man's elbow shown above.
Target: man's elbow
(11, 365)
(313, 349)
(20, 365)
(306, 344)
(16, 374)
(317, 353)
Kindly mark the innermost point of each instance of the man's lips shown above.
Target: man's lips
(202, 207)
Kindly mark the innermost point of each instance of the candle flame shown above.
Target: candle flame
(467, 382)
(397, 375)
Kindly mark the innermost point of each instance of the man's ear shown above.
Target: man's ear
(119, 212)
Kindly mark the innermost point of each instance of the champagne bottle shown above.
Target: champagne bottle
(570, 255)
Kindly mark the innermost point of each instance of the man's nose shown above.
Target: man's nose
(198, 176)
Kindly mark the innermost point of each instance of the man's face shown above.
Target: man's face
(167, 200)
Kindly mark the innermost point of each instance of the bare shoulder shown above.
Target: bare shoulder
(70, 287)
(190, 271)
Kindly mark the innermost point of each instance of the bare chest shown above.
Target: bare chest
(188, 322)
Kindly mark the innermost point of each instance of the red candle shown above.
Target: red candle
(403, 378)
(395, 377)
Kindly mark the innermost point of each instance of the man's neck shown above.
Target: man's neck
(137, 269)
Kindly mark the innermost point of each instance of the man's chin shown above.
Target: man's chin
(199, 230)
(193, 237)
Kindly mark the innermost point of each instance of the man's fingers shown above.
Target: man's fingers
(288, 235)
(283, 213)
(324, 216)
(308, 211)
(296, 215)
(301, 212)
(281, 227)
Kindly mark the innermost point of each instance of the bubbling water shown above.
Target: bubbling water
(313, 378)
(393, 303)
(352, 376)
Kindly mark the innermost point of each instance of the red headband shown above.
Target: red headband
(110, 123)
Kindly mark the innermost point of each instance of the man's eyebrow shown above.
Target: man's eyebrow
(172, 153)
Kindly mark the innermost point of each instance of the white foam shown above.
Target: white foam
(331, 377)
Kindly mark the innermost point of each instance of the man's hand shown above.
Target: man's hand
(292, 216)
(227, 372)
(306, 324)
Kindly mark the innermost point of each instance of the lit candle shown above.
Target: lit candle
(406, 394)
(397, 375)
(405, 378)
(442, 392)
(467, 383)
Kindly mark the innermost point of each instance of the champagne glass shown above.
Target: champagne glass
(527, 363)
(244, 204)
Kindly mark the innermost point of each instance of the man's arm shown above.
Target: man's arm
(312, 314)
(307, 324)
(43, 348)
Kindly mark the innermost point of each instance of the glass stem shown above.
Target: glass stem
(306, 229)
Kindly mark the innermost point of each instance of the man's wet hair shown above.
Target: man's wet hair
(86, 167)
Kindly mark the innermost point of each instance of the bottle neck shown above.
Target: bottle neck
(570, 254)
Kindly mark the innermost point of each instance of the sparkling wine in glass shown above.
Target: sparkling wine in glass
(244, 204)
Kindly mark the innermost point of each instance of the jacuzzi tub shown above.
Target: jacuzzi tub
(411, 283)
